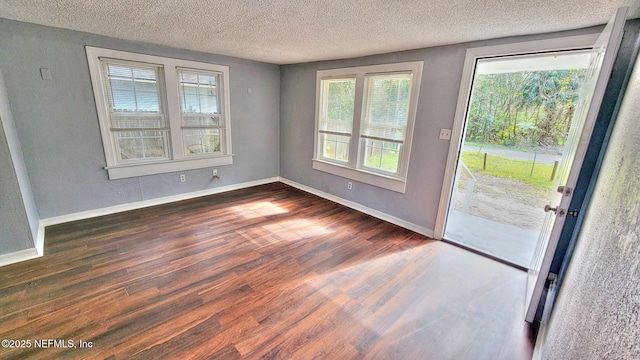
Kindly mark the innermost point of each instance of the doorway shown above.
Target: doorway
(519, 114)
(604, 48)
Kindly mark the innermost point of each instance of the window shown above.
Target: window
(135, 111)
(203, 130)
(336, 118)
(384, 124)
(364, 122)
(159, 114)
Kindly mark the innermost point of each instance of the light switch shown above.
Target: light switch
(445, 134)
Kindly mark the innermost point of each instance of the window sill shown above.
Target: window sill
(366, 177)
(134, 170)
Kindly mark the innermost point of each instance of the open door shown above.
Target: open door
(604, 53)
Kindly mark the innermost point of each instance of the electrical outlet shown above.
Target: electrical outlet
(183, 178)
(445, 134)
(215, 172)
(45, 73)
(349, 185)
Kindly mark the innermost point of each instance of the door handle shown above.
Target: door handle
(557, 211)
(564, 190)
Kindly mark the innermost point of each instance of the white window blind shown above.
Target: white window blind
(202, 125)
(136, 110)
(384, 126)
(336, 118)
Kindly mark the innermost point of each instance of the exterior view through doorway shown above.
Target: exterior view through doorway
(518, 118)
(581, 91)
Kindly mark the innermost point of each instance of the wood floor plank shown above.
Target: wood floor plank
(264, 272)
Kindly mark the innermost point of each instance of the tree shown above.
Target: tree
(523, 108)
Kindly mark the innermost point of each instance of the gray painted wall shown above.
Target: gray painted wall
(14, 229)
(436, 109)
(57, 123)
(597, 312)
(18, 214)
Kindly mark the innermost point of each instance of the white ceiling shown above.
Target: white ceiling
(294, 31)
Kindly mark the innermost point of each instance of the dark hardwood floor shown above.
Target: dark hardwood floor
(265, 272)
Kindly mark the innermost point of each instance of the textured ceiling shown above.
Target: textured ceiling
(293, 31)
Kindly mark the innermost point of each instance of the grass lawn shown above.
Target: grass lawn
(498, 166)
(510, 169)
(389, 161)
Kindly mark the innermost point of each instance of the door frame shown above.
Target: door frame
(468, 72)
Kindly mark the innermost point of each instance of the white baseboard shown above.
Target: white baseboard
(18, 256)
(40, 239)
(152, 202)
(367, 210)
(26, 254)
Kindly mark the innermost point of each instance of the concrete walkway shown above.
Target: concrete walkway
(513, 154)
(507, 242)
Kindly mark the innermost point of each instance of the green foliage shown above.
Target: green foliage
(340, 102)
(503, 167)
(525, 108)
(389, 101)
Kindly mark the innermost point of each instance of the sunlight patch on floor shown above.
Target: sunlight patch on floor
(293, 230)
(258, 209)
(290, 230)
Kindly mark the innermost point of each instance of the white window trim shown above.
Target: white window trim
(178, 159)
(352, 169)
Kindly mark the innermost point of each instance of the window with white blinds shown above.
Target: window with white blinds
(136, 110)
(384, 123)
(203, 128)
(160, 114)
(364, 122)
(336, 118)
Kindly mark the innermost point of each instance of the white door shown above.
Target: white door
(604, 53)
